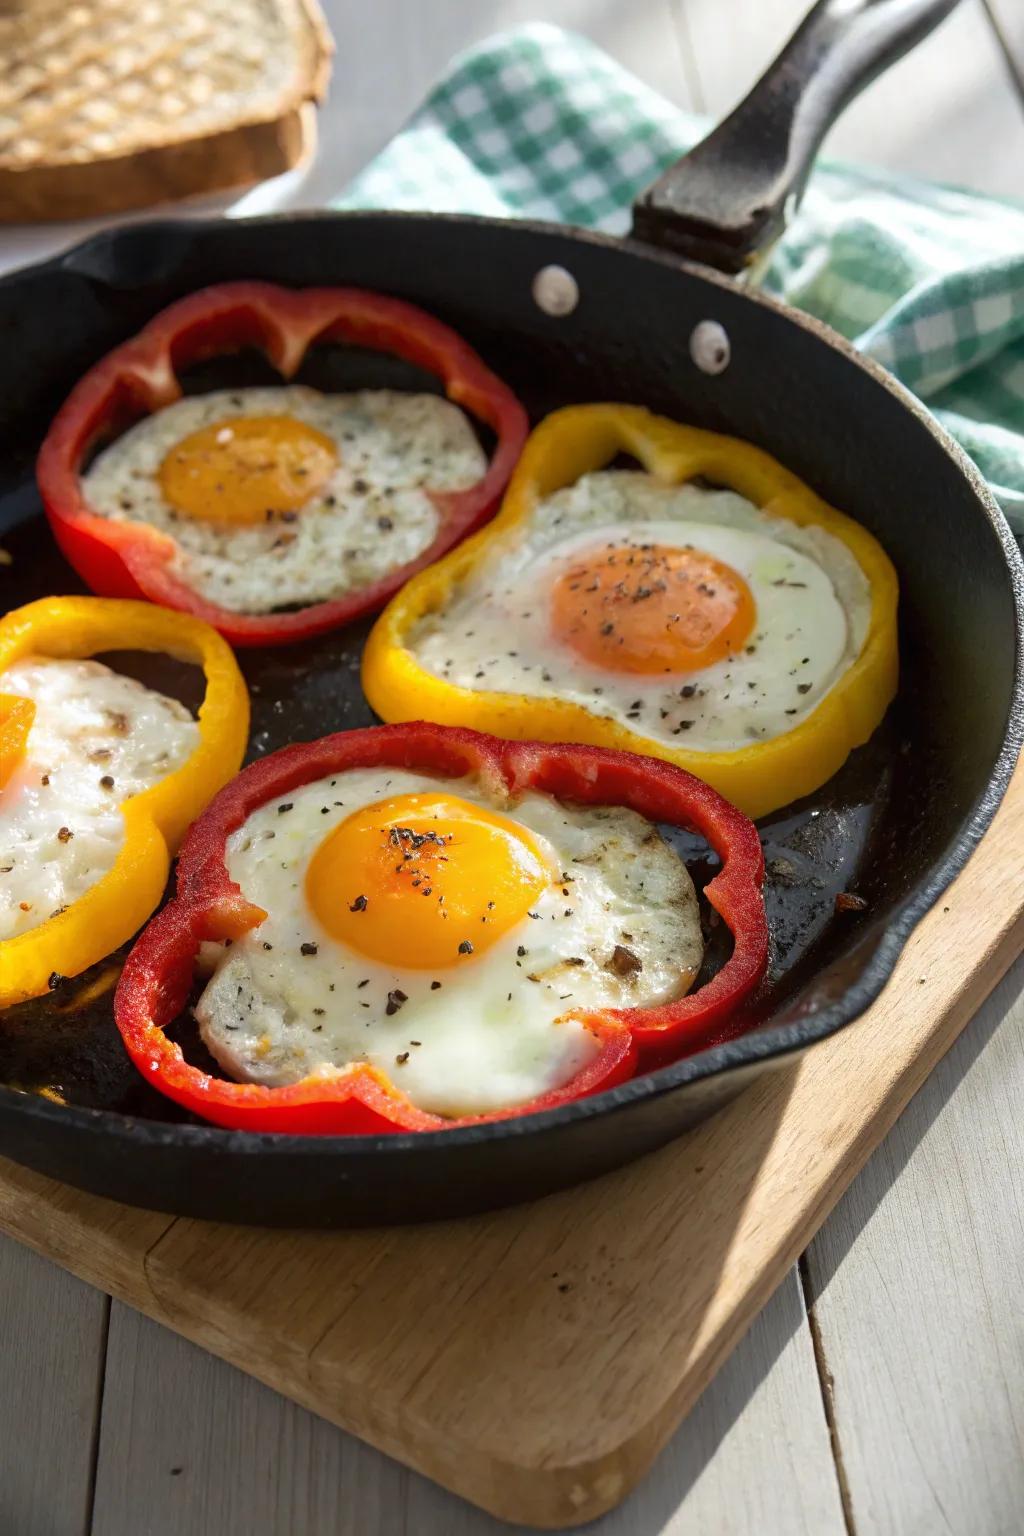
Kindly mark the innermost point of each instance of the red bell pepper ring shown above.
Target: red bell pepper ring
(140, 376)
(360, 1099)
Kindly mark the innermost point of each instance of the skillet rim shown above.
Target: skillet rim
(768, 1044)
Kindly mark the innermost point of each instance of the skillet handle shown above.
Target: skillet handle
(727, 201)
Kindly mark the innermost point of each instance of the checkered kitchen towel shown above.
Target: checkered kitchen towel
(927, 280)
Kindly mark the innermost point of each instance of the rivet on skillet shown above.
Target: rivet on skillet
(555, 291)
(709, 347)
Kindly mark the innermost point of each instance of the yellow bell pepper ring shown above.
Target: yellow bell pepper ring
(579, 440)
(113, 909)
(16, 717)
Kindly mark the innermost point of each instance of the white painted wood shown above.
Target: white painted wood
(948, 110)
(918, 1278)
(189, 1444)
(52, 1338)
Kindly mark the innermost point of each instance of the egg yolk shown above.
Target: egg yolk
(424, 880)
(246, 469)
(650, 608)
(16, 717)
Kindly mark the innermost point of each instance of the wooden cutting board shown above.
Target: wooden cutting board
(536, 1360)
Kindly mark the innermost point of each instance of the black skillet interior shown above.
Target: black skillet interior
(892, 826)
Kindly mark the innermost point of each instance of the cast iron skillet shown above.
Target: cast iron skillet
(895, 824)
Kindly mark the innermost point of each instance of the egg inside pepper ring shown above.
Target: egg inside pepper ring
(274, 513)
(708, 609)
(297, 1009)
(152, 822)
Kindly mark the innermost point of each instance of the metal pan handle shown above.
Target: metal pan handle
(728, 200)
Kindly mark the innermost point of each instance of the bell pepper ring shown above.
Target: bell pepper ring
(578, 440)
(117, 905)
(16, 717)
(360, 1099)
(126, 559)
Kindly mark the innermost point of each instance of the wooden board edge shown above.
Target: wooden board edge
(97, 1240)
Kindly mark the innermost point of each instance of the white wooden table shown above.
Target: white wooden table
(882, 1390)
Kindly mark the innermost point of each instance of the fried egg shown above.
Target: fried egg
(683, 612)
(96, 739)
(285, 497)
(444, 936)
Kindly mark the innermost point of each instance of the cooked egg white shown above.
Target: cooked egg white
(97, 739)
(613, 922)
(501, 631)
(369, 461)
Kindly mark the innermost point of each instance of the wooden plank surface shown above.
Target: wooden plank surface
(52, 1340)
(948, 110)
(557, 1346)
(191, 1445)
(917, 1283)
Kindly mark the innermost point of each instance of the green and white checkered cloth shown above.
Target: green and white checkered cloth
(927, 280)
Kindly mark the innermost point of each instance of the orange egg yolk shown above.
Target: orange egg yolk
(246, 469)
(16, 717)
(424, 880)
(651, 608)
